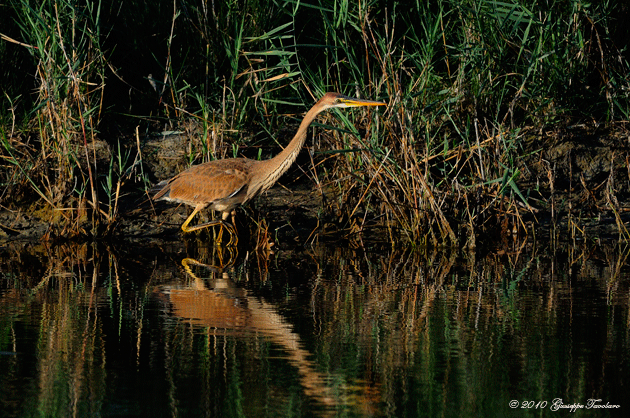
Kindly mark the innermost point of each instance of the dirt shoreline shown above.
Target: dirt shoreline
(577, 181)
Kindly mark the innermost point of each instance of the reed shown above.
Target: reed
(64, 44)
(469, 85)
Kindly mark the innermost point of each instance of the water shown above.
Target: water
(150, 330)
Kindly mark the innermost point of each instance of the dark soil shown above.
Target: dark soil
(578, 180)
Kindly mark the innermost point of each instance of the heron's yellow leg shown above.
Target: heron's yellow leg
(187, 221)
(220, 235)
(233, 234)
(222, 222)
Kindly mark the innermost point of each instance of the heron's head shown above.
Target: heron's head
(339, 100)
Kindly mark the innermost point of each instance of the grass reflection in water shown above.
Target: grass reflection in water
(89, 331)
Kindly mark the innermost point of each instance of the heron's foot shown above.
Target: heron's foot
(219, 239)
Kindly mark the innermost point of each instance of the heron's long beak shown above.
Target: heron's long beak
(346, 101)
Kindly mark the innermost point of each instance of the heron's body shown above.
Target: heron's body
(221, 185)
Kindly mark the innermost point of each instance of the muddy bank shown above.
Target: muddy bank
(576, 181)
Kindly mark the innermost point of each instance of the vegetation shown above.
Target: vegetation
(472, 89)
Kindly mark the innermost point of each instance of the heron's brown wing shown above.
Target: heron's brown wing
(215, 183)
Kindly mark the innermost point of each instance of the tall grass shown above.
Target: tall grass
(56, 156)
(467, 82)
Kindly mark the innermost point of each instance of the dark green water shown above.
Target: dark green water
(130, 331)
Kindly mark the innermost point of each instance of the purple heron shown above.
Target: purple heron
(221, 185)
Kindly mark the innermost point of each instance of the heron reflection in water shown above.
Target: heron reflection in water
(224, 308)
(221, 185)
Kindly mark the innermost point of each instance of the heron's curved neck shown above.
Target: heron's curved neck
(278, 165)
